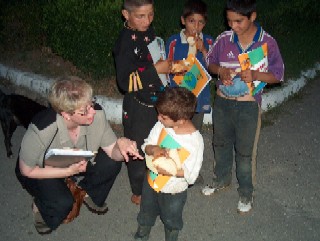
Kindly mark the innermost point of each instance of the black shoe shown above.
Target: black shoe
(142, 233)
(171, 235)
(93, 207)
(40, 225)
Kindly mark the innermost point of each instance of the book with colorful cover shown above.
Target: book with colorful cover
(256, 59)
(195, 78)
(165, 140)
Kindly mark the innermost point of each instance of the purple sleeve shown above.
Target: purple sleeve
(275, 62)
(212, 56)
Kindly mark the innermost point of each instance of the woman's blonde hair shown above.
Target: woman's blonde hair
(69, 93)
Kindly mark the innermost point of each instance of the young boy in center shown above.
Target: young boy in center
(178, 46)
(164, 193)
(237, 119)
(137, 78)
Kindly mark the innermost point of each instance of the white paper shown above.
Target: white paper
(157, 51)
(68, 152)
(66, 157)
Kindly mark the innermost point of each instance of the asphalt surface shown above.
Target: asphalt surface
(286, 204)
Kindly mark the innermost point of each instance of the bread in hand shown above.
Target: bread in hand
(179, 66)
(170, 164)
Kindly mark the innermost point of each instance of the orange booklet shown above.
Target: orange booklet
(256, 59)
(195, 77)
(165, 140)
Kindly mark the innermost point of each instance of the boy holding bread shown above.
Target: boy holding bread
(174, 155)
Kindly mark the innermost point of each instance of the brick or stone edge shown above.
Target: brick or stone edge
(113, 107)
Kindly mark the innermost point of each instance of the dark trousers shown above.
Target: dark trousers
(235, 129)
(197, 120)
(138, 121)
(168, 206)
(53, 197)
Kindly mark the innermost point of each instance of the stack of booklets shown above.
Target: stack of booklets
(66, 157)
(157, 51)
(257, 59)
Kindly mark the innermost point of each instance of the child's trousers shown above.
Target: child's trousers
(236, 128)
(168, 206)
(138, 120)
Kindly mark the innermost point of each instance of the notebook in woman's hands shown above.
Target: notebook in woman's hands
(66, 157)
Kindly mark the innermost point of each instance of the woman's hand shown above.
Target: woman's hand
(78, 167)
(128, 148)
(52, 172)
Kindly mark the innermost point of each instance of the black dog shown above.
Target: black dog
(16, 110)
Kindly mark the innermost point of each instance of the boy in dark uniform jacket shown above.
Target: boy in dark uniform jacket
(137, 77)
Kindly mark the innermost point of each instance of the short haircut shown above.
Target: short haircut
(69, 93)
(130, 5)
(242, 7)
(195, 7)
(178, 103)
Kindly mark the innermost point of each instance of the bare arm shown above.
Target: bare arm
(122, 149)
(52, 172)
(201, 47)
(163, 66)
(180, 172)
(224, 74)
(251, 75)
(155, 150)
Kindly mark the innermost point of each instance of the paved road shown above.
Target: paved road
(286, 207)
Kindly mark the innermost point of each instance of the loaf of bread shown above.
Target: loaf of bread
(170, 164)
(179, 67)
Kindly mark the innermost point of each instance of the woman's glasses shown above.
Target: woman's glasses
(87, 108)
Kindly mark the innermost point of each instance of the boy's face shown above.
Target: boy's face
(240, 24)
(166, 121)
(139, 18)
(193, 24)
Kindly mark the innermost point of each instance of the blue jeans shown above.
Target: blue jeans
(236, 124)
(168, 206)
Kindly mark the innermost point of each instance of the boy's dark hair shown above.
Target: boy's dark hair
(129, 5)
(195, 7)
(177, 103)
(242, 7)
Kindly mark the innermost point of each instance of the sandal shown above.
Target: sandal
(136, 199)
(93, 207)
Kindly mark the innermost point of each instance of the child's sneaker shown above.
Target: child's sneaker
(210, 189)
(244, 205)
